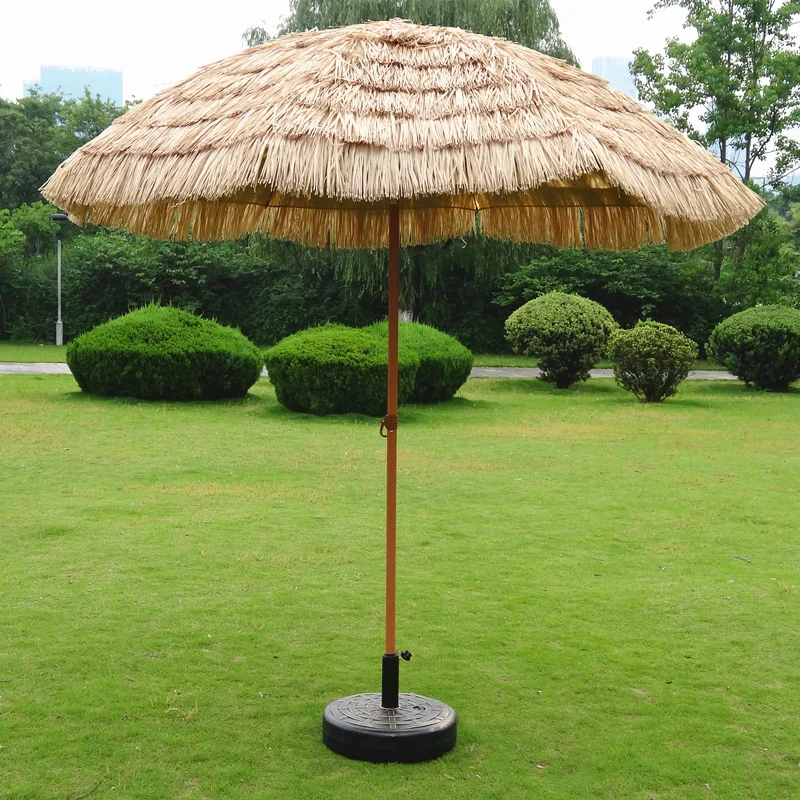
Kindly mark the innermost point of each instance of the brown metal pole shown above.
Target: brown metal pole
(390, 658)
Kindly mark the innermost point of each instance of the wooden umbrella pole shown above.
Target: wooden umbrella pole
(391, 663)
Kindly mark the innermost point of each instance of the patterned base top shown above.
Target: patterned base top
(415, 714)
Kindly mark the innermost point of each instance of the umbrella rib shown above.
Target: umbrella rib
(339, 207)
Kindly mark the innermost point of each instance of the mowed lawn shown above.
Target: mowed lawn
(606, 592)
(10, 351)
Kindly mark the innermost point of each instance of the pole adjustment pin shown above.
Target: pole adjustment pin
(388, 424)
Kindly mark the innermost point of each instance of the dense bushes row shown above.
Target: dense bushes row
(163, 353)
(267, 290)
(272, 289)
(570, 334)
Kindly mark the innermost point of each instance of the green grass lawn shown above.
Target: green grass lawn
(31, 352)
(185, 587)
(510, 360)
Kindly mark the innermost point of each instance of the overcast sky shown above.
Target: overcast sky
(157, 42)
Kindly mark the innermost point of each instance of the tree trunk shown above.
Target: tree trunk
(748, 164)
(719, 253)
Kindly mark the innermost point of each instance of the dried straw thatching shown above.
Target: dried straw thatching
(310, 136)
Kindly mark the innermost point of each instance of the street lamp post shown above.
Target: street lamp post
(59, 324)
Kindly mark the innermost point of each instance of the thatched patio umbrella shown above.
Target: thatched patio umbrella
(391, 134)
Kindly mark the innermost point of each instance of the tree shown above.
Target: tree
(38, 132)
(673, 288)
(34, 223)
(88, 117)
(255, 35)
(761, 265)
(529, 22)
(786, 196)
(28, 151)
(12, 239)
(740, 74)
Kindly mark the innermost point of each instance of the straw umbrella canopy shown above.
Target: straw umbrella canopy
(308, 138)
(392, 134)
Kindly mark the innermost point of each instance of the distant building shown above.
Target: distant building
(617, 71)
(73, 82)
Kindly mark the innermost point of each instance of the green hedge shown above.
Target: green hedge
(651, 360)
(445, 363)
(569, 335)
(760, 345)
(334, 369)
(161, 353)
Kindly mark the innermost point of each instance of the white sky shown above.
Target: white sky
(157, 42)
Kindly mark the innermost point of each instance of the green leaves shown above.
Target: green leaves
(38, 132)
(651, 360)
(161, 353)
(761, 346)
(760, 264)
(12, 239)
(673, 288)
(532, 23)
(569, 334)
(334, 369)
(740, 74)
(445, 363)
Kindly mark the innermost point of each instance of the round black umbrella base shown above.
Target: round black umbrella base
(419, 730)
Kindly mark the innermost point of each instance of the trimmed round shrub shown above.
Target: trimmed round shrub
(568, 334)
(651, 360)
(444, 363)
(761, 346)
(334, 369)
(161, 353)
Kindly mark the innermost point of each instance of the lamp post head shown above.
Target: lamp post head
(59, 218)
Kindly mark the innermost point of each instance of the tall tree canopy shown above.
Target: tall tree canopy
(740, 76)
(38, 132)
(529, 22)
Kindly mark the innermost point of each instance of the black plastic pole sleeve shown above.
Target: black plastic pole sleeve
(390, 685)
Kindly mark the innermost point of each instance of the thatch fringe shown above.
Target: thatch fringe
(604, 228)
(393, 111)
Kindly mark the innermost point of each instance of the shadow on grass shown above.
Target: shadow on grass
(250, 400)
(267, 407)
(410, 414)
(691, 394)
(694, 394)
(595, 387)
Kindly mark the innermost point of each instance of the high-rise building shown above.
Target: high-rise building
(73, 82)
(617, 71)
